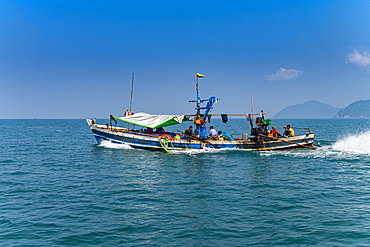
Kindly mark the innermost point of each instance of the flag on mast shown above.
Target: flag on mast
(199, 75)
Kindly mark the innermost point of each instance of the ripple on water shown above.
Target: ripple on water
(70, 191)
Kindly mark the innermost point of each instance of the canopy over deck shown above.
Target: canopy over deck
(153, 121)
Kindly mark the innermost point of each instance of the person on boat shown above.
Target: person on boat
(220, 136)
(149, 131)
(159, 130)
(189, 131)
(127, 113)
(288, 131)
(212, 131)
(275, 132)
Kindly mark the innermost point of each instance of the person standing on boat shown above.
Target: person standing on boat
(212, 131)
(288, 131)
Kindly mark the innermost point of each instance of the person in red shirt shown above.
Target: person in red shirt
(275, 132)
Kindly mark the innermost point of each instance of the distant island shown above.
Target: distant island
(316, 109)
(358, 109)
(309, 109)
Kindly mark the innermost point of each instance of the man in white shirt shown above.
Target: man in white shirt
(212, 131)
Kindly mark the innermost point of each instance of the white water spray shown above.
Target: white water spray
(359, 143)
(108, 144)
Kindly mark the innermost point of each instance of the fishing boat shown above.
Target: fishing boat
(145, 131)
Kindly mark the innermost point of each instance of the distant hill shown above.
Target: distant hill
(309, 109)
(358, 109)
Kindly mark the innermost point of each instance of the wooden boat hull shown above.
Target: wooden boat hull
(166, 142)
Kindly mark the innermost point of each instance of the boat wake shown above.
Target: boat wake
(109, 144)
(349, 147)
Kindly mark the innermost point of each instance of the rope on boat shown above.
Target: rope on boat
(164, 143)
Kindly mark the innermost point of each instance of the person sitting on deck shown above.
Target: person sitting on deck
(288, 131)
(127, 113)
(149, 131)
(159, 130)
(189, 131)
(275, 132)
(220, 136)
(212, 131)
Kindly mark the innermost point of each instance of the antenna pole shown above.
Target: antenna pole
(198, 98)
(132, 90)
(252, 104)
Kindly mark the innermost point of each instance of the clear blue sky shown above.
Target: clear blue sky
(74, 59)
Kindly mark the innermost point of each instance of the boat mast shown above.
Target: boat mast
(198, 97)
(210, 102)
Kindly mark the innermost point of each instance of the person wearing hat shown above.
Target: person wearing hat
(275, 132)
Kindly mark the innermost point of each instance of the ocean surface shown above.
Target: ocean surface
(60, 188)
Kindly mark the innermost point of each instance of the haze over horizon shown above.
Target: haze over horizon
(74, 59)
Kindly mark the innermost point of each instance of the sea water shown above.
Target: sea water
(60, 188)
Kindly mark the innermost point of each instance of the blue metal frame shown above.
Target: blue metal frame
(210, 102)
